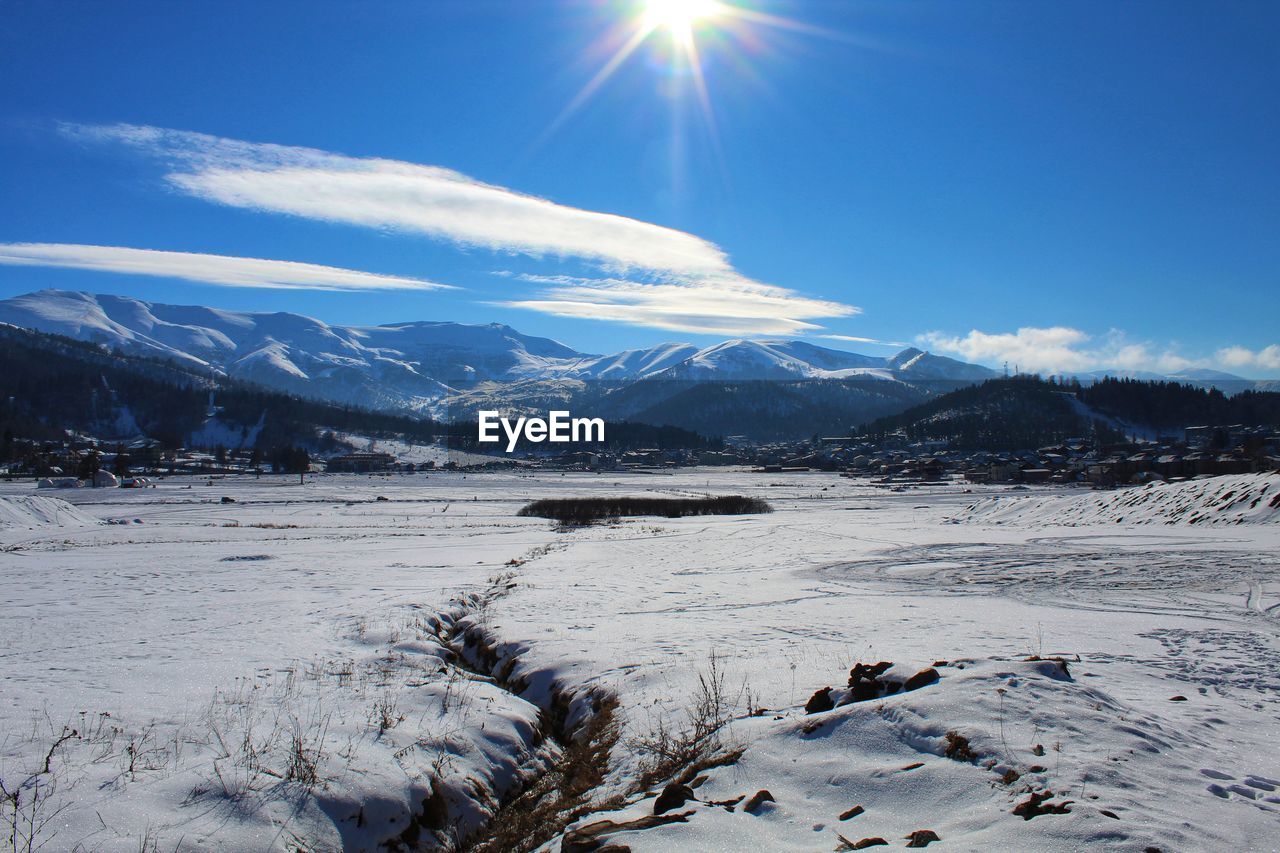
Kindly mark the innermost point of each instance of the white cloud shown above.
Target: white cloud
(1267, 358)
(693, 285)
(855, 339)
(223, 270)
(714, 306)
(1058, 349)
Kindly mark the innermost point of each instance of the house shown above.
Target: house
(932, 469)
(361, 463)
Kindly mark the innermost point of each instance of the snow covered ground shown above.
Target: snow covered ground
(311, 667)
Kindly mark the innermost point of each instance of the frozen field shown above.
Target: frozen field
(311, 667)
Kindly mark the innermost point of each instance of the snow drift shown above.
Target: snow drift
(1237, 499)
(37, 511)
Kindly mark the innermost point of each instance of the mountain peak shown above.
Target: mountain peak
(410, 365)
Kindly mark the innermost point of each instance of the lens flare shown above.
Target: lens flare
(678, 17)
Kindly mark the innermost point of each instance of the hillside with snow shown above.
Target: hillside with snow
(1243, 499)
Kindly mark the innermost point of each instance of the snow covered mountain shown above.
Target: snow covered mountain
(412, 366)
(1205, 377)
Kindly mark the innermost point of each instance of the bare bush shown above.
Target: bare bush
(575, 511)
(385, 714)
(28, 814)
(668, 750)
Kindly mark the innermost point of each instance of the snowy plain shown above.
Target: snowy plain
(282, 671)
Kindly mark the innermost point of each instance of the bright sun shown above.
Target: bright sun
(678, 16)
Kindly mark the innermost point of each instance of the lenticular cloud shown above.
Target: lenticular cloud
(223, 270)
(673, 279)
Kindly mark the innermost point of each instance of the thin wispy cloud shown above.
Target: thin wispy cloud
(712, 306)
(221, 270)
(856, 339)
(658, 276)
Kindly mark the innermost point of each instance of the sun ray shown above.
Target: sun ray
(684, 23)
(599, 79)
(704, 101)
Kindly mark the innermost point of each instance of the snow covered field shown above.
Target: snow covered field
(311, 667)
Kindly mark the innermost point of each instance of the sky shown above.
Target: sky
(1063, 186)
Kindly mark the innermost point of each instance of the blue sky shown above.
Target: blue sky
(1066, 186)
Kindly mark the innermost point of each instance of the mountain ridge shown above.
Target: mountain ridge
(413, 365)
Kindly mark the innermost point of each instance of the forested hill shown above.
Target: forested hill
(1028, 412)
(1173, 406)
(51, 384)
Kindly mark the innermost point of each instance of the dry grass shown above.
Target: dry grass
(668, 751)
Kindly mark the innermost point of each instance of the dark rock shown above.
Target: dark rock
(865, 690)
(227, 499)
(922, 837)
(1037, 804)
(820, 701)
(1178, 698)
(1109, 814)
(865, 683)
(758, 799)
(921, 678)
(852, 813)
(673, 796)
(872, 841)
(868, 672)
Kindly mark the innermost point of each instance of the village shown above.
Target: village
(1201, 451)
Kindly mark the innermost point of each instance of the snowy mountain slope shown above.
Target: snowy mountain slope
(414, 366)
(914, 364)
(1243, 499)
(741, 359)
(633, 363)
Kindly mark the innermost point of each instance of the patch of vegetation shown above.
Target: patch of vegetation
(571, 511)
(562, 794)
(958, 748)
(673, 752)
